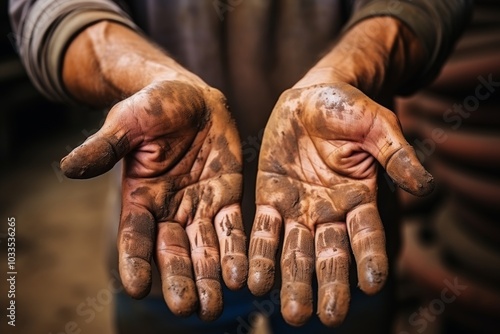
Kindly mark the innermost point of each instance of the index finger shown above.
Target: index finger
(136, 235)
(262, 251)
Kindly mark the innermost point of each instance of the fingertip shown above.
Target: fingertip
(234, 271)
(94, 157)
(296, 304)
(210, 297)
(261, 276)
(333, 304)
(425, 184)
(136, 277)
(180, 295)
(372, 273)
(407, 172)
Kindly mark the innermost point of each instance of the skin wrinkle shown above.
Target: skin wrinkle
(268, 227)
(96, 52)
(314, 171)
(119, 145)
(332, 271)
(235, 245)
(179, 266)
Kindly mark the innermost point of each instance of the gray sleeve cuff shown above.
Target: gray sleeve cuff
(437, 24)
(47, 31)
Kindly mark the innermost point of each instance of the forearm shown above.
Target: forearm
(377, 56)
(108, 62)
(394, 46)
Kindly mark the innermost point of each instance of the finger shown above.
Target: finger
(387, 143)
(176, 270)
(296, 272)
(367, 238)
(101, 151)
(262, 250)
(332, 270)
(205, 257)
(232, 245)
(136, 235)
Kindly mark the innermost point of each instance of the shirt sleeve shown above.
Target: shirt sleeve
(437, 23)
(43, 29)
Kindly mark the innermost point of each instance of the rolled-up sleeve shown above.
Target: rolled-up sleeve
(43, 29)
(437, 24)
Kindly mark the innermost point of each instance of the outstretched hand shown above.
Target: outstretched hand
(181, 193)
(317, 177)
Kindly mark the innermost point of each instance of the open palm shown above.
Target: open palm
(317, 175)
(181, 193)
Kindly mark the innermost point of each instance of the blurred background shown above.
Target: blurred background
(449, 267)
(59, 222)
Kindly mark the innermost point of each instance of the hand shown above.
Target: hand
(317, 175)
(181, 192)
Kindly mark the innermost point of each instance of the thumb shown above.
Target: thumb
(404, 168)
(388, 145)
(100, 152)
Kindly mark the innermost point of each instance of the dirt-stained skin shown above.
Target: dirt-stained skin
(181, 193)
(182, 170)
(182, 187)
(317, 176)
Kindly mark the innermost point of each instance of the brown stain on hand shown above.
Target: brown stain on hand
(94, 157)
(416, 180)
(180, 295)
(210, 296)
(181, 101)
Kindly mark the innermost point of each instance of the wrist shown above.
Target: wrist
(108, 62)
(377, 56)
